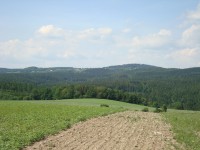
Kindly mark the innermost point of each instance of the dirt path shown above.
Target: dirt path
(121, 131)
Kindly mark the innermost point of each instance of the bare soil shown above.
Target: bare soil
(121, 131)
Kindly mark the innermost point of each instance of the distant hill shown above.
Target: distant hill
(133, 67)
(126, 67)
(36, 70)
(57, 75)
(175, 87)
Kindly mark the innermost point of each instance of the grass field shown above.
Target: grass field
(24, 122)
(95, 102)
(186, 126)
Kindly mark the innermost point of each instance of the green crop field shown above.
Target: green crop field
(24, 122)
(186, 126)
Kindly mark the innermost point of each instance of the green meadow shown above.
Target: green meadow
(94, 102)
(24, 122)
(186, 126)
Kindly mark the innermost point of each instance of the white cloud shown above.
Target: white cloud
(185, 53)
(188, 57)
(104, 31)
(164, 32)
(187, 48)
(156, 40)
(191, 36)
(126, 30)
(66, 54)
(94, 47)
(94, 33)
(50, 30)
(194, 15)
(53, 44)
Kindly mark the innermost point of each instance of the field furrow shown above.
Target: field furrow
(121, 131)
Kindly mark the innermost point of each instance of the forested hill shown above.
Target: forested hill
(129, 72)
(177, 88)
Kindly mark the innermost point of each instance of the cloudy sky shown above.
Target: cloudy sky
(98, 33)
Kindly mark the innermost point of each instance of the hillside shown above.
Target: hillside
(177, 88)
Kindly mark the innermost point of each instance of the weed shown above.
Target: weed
(104, 105)
(145, 109)
(157, 110)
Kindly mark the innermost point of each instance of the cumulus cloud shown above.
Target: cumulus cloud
(191, 36)
(189, 52)
(186, 53)
(86, 48)
(94, 47)
(51, 30)
(126, 30)
(187, 49)
(104, 31)
(194, 15)
(53, 44)
(98, 33)
(188, 57)
(156, 40)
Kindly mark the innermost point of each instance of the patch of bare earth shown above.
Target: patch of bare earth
(121, 131)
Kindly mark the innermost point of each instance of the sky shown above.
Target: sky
(99, 33)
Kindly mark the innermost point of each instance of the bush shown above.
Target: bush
(178, 105)
(164, 108)
(104, 105)
(146, 109)
(157, 110)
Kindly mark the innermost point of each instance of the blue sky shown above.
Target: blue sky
(99, 33)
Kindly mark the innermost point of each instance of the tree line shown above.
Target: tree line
(24, 91)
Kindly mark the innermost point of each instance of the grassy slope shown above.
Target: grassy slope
(95, 102)
(24, 122)
(186, 126)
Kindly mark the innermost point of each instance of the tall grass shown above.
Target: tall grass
(24, 122)
(186, 126)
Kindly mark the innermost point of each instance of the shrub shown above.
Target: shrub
(164, 108)
(104, 105)
(145, 109)
(157, 110)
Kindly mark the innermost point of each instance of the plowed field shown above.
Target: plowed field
(121, 131)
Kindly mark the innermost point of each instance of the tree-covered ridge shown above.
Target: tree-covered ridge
(177, 88)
